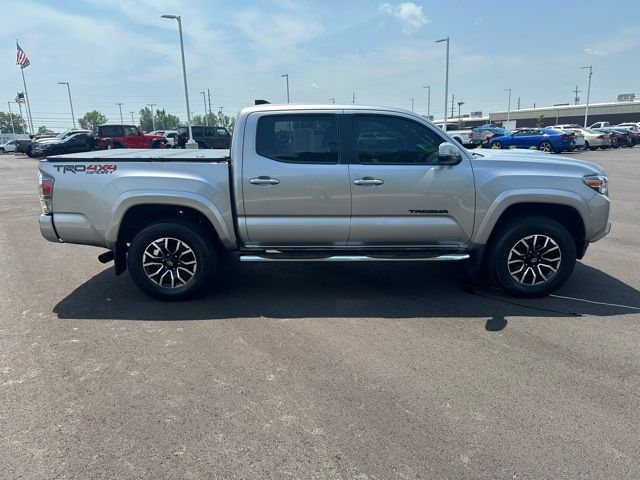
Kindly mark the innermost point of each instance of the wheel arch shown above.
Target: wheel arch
(566, 209)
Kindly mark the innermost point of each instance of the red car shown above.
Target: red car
(127, 136)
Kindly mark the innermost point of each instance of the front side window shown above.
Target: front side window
(131, 131)
(303, 138)
(110, 131)
(222, 132)
(395, 140)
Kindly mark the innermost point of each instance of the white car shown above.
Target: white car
(628, 126)
(7, 147)
(170, 135)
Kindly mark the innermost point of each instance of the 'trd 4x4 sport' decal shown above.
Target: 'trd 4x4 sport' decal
(97, 169)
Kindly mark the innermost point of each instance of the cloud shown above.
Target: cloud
(591, 51)
(314, 85)
(409, 14)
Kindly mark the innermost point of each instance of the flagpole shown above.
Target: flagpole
(26, 94)
(11, 117)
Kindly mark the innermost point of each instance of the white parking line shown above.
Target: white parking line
(597, 303)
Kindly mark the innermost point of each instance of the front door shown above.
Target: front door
(401, 196)
(295, 188)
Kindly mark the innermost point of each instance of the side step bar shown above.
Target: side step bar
(449, 257)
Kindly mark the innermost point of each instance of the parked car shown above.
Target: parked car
(633, 128)
(544, 139)
(23, 145)
(75, 142)
(565, 125)
(127, 136)
(629, 137)
(464, 136)
(293, 190)
(205, 137)
(170, 135)
(7, 147)
(594, 139)
(579, 140)
(485, 132)
(619, 137)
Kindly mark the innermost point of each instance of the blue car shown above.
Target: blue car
(543, 139)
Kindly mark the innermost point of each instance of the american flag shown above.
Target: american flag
(20, 98)
(21, 58)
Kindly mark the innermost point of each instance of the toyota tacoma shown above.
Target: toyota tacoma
(327, 183)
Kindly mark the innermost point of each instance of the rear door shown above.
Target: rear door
(295, 187)
(401, 196)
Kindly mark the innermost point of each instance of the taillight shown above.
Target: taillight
(45, 190)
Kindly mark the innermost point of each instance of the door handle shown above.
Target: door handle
(262, 180)
(368, 181)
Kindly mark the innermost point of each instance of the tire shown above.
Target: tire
(117, 145)
(497, 145)
(515, 241)
(1, 151)
(593, 148)
(170, 242)
(29, 152)
(586, 146)
(545, 147)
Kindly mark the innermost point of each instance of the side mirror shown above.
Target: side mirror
(449, 154)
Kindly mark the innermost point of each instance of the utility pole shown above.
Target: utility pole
(204, 101)
(287, 76)
(412, 102)
(446, 80)
(132, 120)
(209, 97)
(153, 117)
(459, 106)
(586, 110)
(576, 99)
(508, 106)
(453, 98)
(518, 103)
(120, 107)
(354, 98)
(13, 129)
(428, 87)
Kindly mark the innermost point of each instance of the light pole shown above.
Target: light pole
(132, 120)
(204, 101)
(428, 87)
(508, 106)
(153, 117)
(190, 143)
(412, 103)
(286, 75)
(459, 105)
(120, 107)
(586, 110)
(73, 118)
(446, 80)
(333, 100)
(13, 129)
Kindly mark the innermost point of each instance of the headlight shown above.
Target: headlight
(597, 182)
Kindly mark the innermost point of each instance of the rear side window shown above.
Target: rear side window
(394, 140)
(110, 131)
(303, 138)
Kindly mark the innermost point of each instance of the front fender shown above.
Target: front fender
(508, 198)
(169, 197)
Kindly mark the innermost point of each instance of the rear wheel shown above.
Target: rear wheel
(172, 260)
(1, 151)
(545, 147)
(532, 257)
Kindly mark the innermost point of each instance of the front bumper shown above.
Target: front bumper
(47, 229)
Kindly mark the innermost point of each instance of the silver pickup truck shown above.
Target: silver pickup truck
(327, 183)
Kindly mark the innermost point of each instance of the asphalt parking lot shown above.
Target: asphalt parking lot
(317, 371)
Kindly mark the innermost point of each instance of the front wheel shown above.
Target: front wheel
(532, 257)
(496, 145)
(586, 146)
(172, 260)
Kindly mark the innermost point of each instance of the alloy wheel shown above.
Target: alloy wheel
(169, 262)
(534, 259)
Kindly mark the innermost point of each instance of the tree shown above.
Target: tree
(5, 123)
(166, 120)
(226, 121)
(146, 122)
(42, 130)
(91, 120)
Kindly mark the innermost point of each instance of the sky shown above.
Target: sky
(123, 51)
